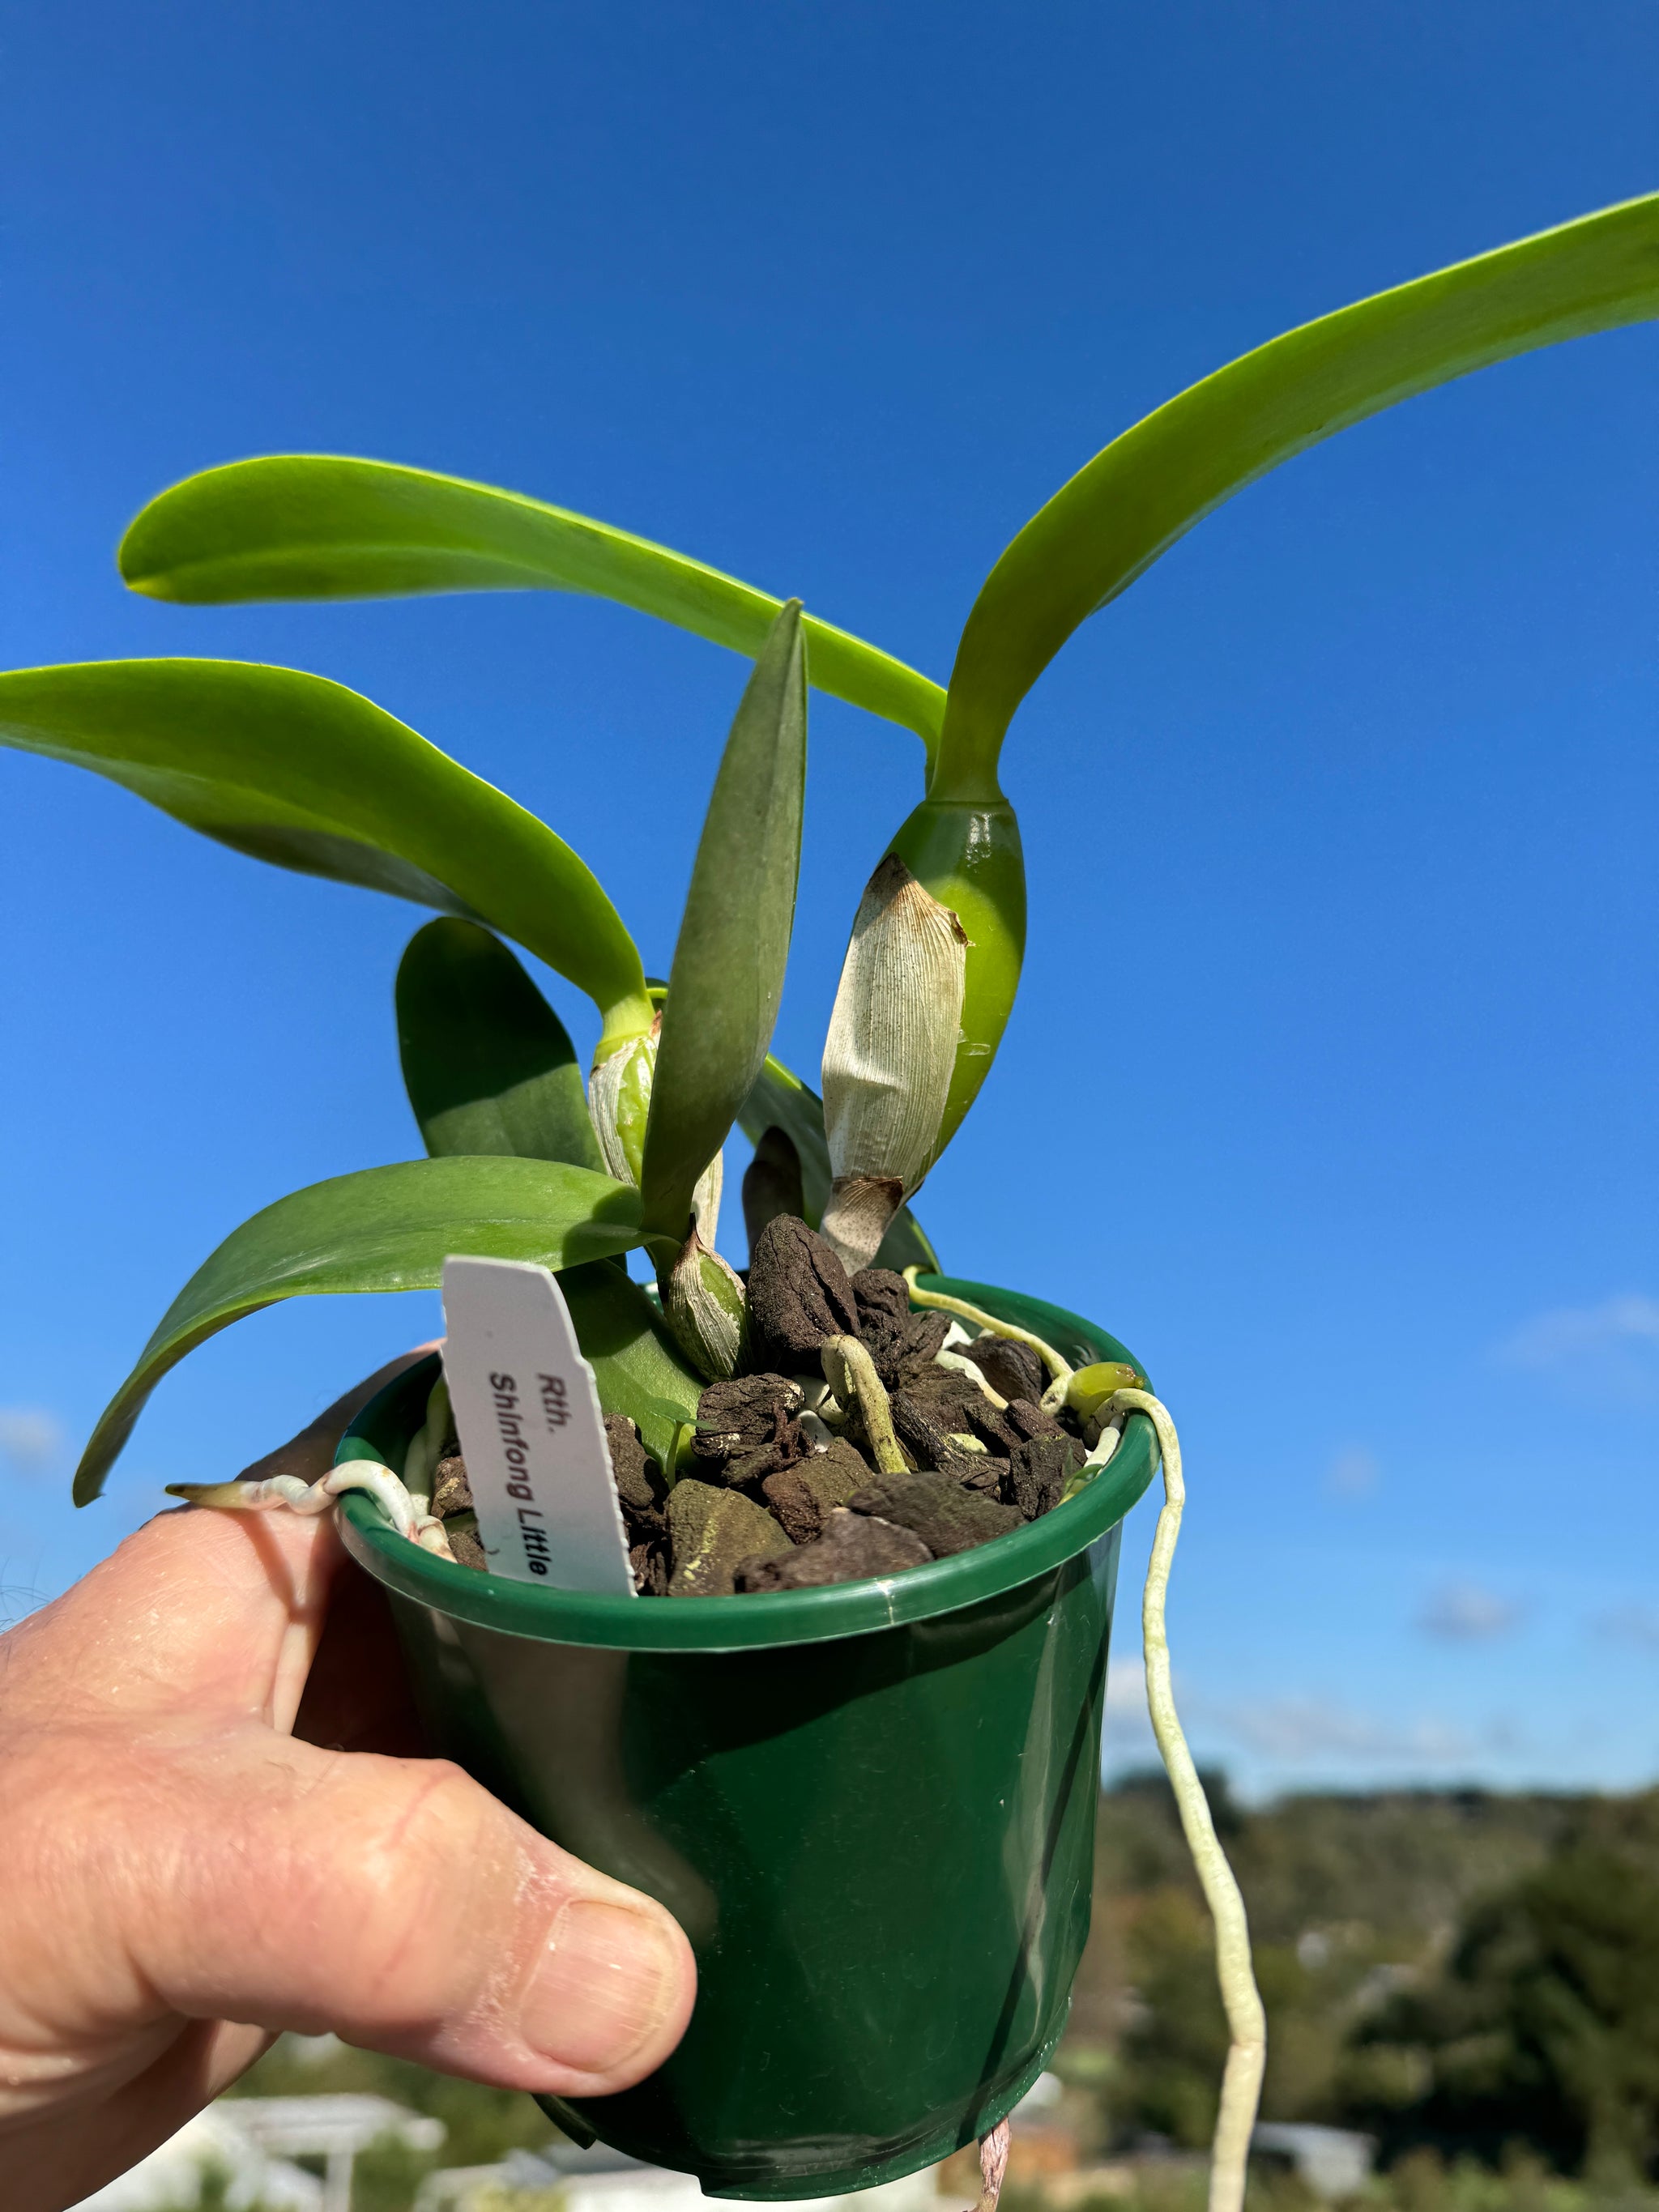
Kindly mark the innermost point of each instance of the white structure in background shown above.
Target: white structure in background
(601, 2181)
(333, 2128)
(209, 2146)
(1044, 2093)
(1332, 2161)
(249, 2143)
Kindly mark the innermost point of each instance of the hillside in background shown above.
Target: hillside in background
(1469, 1971)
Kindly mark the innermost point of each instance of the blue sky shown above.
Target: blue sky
(1333, 1081)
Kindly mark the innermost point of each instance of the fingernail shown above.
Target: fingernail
(606, 1982)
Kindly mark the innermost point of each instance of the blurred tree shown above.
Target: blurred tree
(1543, 2026)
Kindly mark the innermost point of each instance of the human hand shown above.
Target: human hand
(211, 1828)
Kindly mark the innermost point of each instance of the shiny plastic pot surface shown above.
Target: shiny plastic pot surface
(871, 1807)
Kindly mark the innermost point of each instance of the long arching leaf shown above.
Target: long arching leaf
(1136, 497)
(488, 1064)
(323, 526)
(297, 770)
(733, 945)
(386, 1229)
(780, 1100)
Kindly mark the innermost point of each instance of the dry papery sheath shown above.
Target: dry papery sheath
(889, 1055)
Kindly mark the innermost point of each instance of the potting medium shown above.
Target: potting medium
(871, 1806)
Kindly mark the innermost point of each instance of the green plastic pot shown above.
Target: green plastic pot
(871, 1807)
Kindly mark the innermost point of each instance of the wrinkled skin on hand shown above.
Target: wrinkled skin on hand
(215, 1824)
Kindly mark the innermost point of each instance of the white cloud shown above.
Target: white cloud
(30, 1438)
(1291, 1729)
(1127, 1732)
(1613, 1345)
(1463, 1612)
(1304, 1727)
(1353, 1474)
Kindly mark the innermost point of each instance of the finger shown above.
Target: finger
(210, 1608)
(78, 2146)
(357, 1695)
(198, 1611)
(396, 1903)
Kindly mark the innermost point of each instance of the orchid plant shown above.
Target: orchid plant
(527, 1161)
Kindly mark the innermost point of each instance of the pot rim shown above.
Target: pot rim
(775, 1618)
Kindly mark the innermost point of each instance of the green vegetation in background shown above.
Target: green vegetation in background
(1430, 1962)
(1465, 1975)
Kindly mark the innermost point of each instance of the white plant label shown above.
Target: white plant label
(527, 1414)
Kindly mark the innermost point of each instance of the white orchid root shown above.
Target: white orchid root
(425, 1446)
(1061, 1369)
(1247, 2025)
(852, 1377)
(367, 1475)
(948, 1356)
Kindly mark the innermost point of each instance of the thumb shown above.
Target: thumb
(397, 1903)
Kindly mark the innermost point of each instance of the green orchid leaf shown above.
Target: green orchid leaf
(488, 1064)
(727, 977)
(780, 1100)
(301, 772)
(635, 1364)
(386, 1229)
(322, 526)
(1145, 490)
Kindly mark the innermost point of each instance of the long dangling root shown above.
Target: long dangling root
(993, 2165)
(1241, 2084)
(287, 1490)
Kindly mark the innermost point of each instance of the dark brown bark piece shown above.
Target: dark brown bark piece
(883, 1296)
(947, 1518)
(650, 1565)
(451, 1491)
(464, 1542)
(985, 1472)
(631, 1468)
(798, 1294)
(751, 1472)
(1039, 1472)
(927, 1443)
(740, 1414)
(995, 1429)
(746, 1429)
(836, 1471)
(853, 1547)
(710, 1531)
(639, 1487)
(902, 1344)
(945, 1397)
(793, 1505)
(803, 1496)
(1027, 1420)
(1013, 1371)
